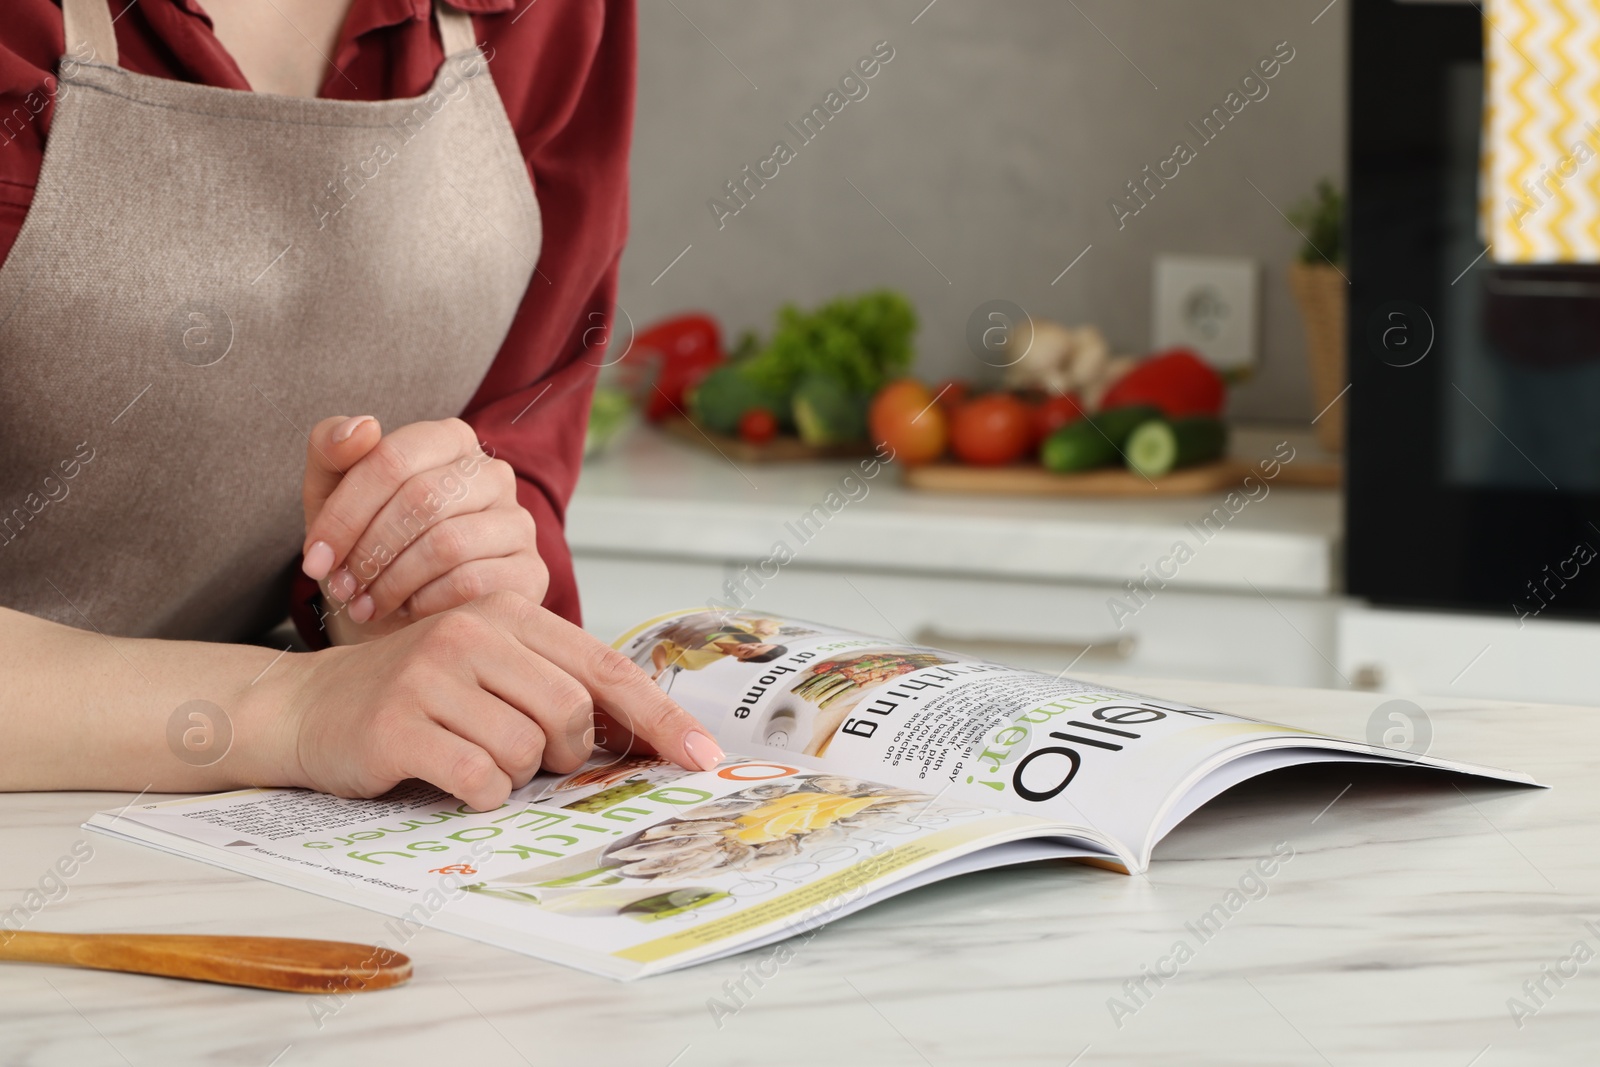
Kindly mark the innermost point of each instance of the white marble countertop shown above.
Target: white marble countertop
(652, 495)
(1410, 913)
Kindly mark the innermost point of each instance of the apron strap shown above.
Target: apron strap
(455, 29)
(88, 22)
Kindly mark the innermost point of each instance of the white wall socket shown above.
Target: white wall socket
(1210, 304)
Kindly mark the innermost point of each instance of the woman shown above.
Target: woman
(223, 226)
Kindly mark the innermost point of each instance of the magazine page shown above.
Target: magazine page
(626, 867)
(1105, 760)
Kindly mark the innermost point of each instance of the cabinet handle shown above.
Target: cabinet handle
(1111, 647)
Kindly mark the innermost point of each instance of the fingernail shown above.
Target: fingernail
(342, 584)
(343, 431)
(318, 561)
(361, 608)
(703, 752)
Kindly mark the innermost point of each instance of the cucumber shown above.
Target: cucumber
(1095, 441)
(1078, 446)
(1158, 446)
(1118, 423)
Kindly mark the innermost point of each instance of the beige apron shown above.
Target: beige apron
(203, 275)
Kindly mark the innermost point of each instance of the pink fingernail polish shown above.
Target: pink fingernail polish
(342, 584)
(318, 560)
(703, 752)
(343, 431)
(361, 608)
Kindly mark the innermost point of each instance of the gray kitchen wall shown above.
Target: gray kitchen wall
(980, 160)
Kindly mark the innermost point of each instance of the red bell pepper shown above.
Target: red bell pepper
(1177, 381)
(684, 349)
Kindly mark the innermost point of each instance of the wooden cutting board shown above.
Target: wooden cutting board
(1034, 480)
(778, 450)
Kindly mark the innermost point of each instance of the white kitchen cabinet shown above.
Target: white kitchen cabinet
(1046, 625)
(658, 525)
(1434, 654)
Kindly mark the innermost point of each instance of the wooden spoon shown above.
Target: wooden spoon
(289, 964)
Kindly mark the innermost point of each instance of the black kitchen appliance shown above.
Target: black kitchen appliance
(1474, 406)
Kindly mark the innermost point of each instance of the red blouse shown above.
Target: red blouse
(565, 72)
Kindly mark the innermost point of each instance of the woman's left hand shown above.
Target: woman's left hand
(408, 524)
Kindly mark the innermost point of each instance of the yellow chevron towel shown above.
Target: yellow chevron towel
(1539, 186)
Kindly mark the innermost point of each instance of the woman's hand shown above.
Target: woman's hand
(474, 700)
(406, 525)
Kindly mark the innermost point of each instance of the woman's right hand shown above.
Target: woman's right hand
(475, 700)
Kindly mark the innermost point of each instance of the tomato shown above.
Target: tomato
(758, 426)
(952, 393)
(1054, 412)
(904, 417)
(992, 430)
(1177, 381)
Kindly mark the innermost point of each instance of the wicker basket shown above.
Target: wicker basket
(1322, 292)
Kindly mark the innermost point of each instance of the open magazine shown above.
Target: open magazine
(859, 768)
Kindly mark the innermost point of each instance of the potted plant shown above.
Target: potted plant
(1322, 291)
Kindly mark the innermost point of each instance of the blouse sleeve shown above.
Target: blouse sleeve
(533, 406)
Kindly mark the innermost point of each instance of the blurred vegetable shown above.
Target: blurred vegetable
(722, 398)
(860, 341)
(1060, 359)
(1116, 424)
(829, 412)
(1158, 446)
(1097, 441)
(1177, 381)
(1054, 412)
(904, 416)
(818, 370)
(608, 414)
(992, 430)
(952, 393)
(758, 426)
(1118, 366)
(1078, 447)
(684, 349)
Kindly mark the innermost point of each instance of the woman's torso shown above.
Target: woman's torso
(202, 275)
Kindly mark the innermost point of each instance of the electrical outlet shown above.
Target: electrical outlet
(1209, 304)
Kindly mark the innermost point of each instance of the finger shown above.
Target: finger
(421, 502)
(456, 765)
(332, 448)
(513, 740)
(444, 547)
(523, 573)
(612, 736)
(553, 700)
(368, 484)
(617, 686)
